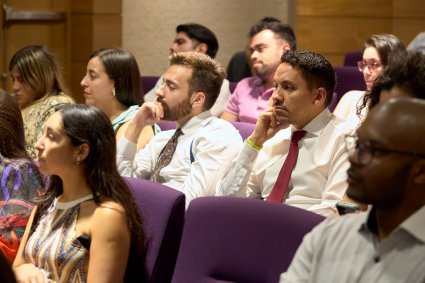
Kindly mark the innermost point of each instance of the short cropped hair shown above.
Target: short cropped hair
(200, 34)
(281, 30)
(315, 70)
(207, 74)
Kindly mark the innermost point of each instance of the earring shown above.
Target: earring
(78, 161)
(113, 92)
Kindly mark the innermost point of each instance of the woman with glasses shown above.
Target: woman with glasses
(378, 49)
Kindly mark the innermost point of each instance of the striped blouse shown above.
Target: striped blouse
(54, 247)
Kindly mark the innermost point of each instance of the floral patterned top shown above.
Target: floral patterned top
(36, 114)
(20, 183)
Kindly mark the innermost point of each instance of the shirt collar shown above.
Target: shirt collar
(319, 123)
(412, 225)
(415, 224)
(196, 122)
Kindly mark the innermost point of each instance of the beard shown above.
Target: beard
(177, 112)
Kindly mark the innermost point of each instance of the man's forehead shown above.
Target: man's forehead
(264, 37)
(286, 72)
(182, 36)
(178, 72)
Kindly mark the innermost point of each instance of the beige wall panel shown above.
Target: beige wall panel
(337, 35)
(371, 8)
(407, 29)
(149, 26)
(409, 9)
(106, 31)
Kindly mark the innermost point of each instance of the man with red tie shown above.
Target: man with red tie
(296, 153)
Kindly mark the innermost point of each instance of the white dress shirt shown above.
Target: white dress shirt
(346, 249)
(214, 143)
(347, 108)
(318, 180)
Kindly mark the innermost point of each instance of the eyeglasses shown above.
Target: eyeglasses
(365, 150)
(373, 66)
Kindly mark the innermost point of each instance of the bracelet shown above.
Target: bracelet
(253, 145)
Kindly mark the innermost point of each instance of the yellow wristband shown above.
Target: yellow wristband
(253, 145)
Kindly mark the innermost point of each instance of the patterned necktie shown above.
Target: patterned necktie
(278, 192)
(166, 154)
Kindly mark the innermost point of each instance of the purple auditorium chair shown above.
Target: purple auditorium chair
(231, 239)
(245, 129)
(148, 82)
(347, 78)
(351, 58)
(162, 210)
(167, 125)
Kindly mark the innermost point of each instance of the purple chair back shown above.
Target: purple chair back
(245, 129)
(230, 239)
(162, 210)
(351, 58)
(167, 125)
(148, 82)
(347, 78)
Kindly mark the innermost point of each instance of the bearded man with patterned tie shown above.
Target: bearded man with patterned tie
(304, 83)
(186, 159)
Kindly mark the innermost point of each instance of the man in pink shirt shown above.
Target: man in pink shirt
(270, 38)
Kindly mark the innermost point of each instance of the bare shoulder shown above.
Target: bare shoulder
(108, 209)
(111, 213)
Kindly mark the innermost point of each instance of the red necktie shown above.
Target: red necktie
(166, 154)
(278, 192)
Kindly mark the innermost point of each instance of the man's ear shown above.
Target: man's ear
(286, 47)
(198, 99)
(418, 172)
(320, 96)
(202, 47)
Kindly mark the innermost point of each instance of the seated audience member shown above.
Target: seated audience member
(66, 239)
(20, 179)
(38, 88)
(418, 43)
(239, 67)
(196, 37)
(112, 84)
(378, 49)
(269, 39)
(298, 117)
(386, 244)
(404, 76)
(188, 158)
